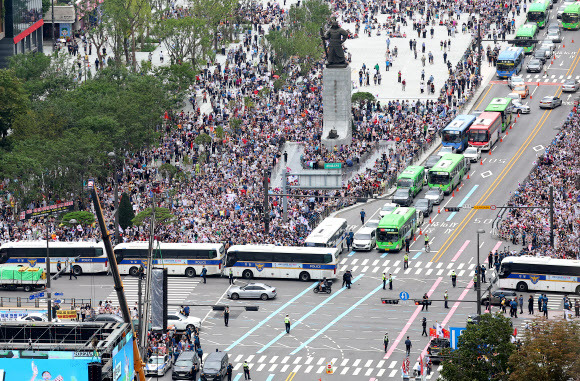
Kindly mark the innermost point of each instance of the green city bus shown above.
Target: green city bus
(394, 228)
(504, 107)
(539, 12)
(447, 173)
(571, 16)
(526, 32)
(412, 177)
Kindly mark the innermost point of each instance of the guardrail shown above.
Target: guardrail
(18, 301)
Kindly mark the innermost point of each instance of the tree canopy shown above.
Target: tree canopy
(81, 217)
(162, 216)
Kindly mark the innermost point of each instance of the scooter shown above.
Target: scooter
(327, 287)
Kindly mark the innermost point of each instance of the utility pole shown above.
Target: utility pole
(552, 216)
(48, 293)
(285, 198)
(479, 49)
(265, 206)
(479, 231)
(53, 34)
(143, 339)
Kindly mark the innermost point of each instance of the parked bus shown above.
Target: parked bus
(504, 107)
(331, 232)
(412, 177)
(394, 228)
(448, 172)
(84, 257)
(539, 12)
(542, 274)
(571, 17)
(269, 261)
(525, 33)
(180, 258)
(455, 133)
(510, 61)
(484, 132)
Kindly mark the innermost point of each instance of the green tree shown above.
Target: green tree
(362, 96)
(82, 217)
(551, 351)
(483, 351)
(126, 213)
(168, 171)
(13, 100)
(162, 216)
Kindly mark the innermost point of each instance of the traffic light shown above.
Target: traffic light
(390, 301)
(452, 209)
(421, 302)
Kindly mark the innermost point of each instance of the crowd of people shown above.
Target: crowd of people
(558, 167)
(233, 137)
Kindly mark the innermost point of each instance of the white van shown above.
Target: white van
(364, 239)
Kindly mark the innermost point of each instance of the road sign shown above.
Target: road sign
(481, 206)
(404, 295)
(58, 294)
(492, 207)
(40, 295)
(32, 297)
(57, 301)
(455, 332)
(332, 165)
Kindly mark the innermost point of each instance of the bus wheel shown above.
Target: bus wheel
(77, 270)
(578, 290)
(190, 272)
(522, 287)
(133, 271)
(247, 274)
(27, 288)
(304, 276)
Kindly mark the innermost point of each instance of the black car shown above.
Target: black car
(439, 349)
(106, 318)
(215, 367)
(540, 54)
(496, 296)
(431, 161)
(183, 366)
(425, 206)
(535, 66)
(403, 196)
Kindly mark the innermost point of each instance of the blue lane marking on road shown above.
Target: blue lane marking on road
(270, 317)
(384, 255)
(351, 253)
(332, 323)
(463, 201)
(418, 255)
(283, 333)
(270, 377)
(238, 377)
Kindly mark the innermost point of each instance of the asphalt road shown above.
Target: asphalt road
(346, 328)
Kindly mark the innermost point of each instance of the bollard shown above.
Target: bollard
(18, 302)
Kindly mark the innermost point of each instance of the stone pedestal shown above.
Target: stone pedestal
(336, 99)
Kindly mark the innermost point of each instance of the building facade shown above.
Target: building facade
(20, 28)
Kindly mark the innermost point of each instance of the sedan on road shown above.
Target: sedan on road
(515, 80)
(252, 291)
(387, 209)
(373, 224)
(473, 154)
(435, 195)
(550, 102)
(534, 66)
(158, 365)
(554, 35)
(445, 151)
(181, 322)
(403, 196)
(424, 205)
(520, 108)
(522, 90)
(496, 296)
(571, 85)
(431, 161)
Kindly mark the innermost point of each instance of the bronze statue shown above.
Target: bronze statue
(335, 53)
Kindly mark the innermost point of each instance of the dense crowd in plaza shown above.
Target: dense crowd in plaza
(219, 198)
(560, 168)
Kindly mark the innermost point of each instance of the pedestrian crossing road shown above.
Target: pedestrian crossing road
(178, 289)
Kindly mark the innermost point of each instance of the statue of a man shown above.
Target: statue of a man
(335, 54)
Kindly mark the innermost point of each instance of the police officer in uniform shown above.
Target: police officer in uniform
(390, 282)
(287, 323)
(386, 341)
(453, 278)
(446, 297)
(231, 276)
(406, 261)
(246, 371)
(384, 281)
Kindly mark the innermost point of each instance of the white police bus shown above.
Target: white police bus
(528, 273)
(331, 232)
(269, 261)
(84, 257)
(180, 258)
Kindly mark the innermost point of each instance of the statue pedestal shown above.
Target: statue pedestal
(337, 114)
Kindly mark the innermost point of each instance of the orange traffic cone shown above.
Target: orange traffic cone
(531, 97)
(420, 232)
(467, 175)
(430, 220)
(489, 151)
(439, 210)
(453, 194)
(501, 139)
(481, 162)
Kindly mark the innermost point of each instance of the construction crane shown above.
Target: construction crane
(137, 360)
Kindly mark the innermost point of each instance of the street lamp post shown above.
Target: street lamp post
(478, 289)
(116, 191)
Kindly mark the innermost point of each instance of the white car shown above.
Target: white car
(515, 80)
(473, 154)
(420, 217)
(372, 224)
(34, 316)
(520, 108)
(364, 239)
(445, 151)
(387, 209)
(181, 322)
(158, 365)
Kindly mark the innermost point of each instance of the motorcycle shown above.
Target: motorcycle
(327, 287)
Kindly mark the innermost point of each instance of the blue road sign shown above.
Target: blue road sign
(455, 332)
(57, 301)
(58, 294)
(32, 297)
(40, 295)
(404, 295)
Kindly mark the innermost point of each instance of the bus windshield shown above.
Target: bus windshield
(452, 136)
(505, 65)
(479, 136)
(570, 17)
(388, 235)
(536, 16)
(405, 183)
(441, 178)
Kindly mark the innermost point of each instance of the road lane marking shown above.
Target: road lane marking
(460, 251)
(411, 320)
(417, 255)
(463, 201)
(320, 305)
(257, 326)
(333, 322)
(497, 245)
(485, 96)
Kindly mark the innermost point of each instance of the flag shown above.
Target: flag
(515, 331)
(439, 330)
(432, 332)
(405, 366)
(421, 358)
(446, 333)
